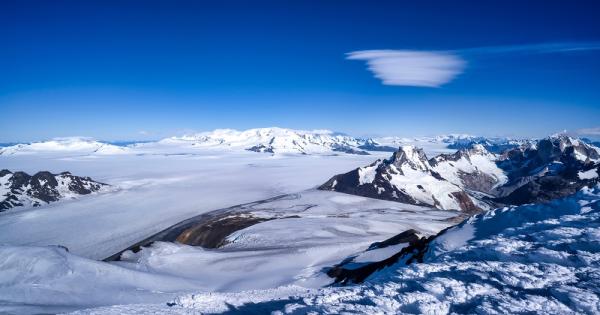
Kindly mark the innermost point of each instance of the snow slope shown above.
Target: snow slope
(534, 259)
(71, 145)
(317, 229)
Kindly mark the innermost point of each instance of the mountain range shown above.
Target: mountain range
(473, 178)
(263, 140)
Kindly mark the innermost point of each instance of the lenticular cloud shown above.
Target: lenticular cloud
(411, 68)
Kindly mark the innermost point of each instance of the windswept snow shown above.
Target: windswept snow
(534, 259)
(317, 229)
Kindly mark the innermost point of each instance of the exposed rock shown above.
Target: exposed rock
(261, 148)
(21, 189)
(213, 233)
(349, 271)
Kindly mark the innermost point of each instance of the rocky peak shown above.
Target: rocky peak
(478, 149)
(410, 156)
(467, 153)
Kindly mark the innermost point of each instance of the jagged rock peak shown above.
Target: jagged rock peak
(415, 158)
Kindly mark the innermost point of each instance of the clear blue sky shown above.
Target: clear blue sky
(118, 70)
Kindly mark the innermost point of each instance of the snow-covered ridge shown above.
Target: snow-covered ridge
(277, 140)
(20, 189)
(65, 145)
(272, 140)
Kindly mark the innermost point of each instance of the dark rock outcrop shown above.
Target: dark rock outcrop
(348, 271)
(43, 187)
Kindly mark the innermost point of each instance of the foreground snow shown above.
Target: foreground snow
(542, 259)
(317, 229)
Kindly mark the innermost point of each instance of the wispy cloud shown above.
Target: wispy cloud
(595, 131)
(436, 68)
(544, 48)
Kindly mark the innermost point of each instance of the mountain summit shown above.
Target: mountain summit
(406, 177)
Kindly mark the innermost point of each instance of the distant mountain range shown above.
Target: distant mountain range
(21, 189)
(473, 178)
(65, 145)
(268, 140)
(262, 140)
(276, 140)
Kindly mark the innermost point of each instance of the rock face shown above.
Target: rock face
(473, 178)
(21, 189)
(473, 168)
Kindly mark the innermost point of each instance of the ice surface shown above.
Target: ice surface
(153, 192)
(317, 229)
(534, 259)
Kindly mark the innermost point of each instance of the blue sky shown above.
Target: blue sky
(121, 70)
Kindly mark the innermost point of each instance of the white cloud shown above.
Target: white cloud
(411, 67)
(589, 131)
(436, 68)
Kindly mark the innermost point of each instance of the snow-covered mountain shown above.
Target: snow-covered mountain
(275, 140)
(406, 177)
(21, 189)
(472, 168)
(78, 145)
(494, 144)
(474, 178)
(265, 140)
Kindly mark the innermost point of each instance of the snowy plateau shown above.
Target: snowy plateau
(282, 221)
